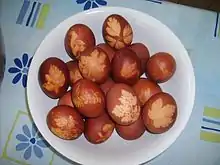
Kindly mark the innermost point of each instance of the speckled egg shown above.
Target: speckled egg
(117, 32)
(94, 65)
(160, 113)
(126, 67)
(160, 67)
(53, 77)
(122, 104)
(131, 132)
(78, 39)
(65, 122)
(88, 98)
(144, 89)
(99, 130)
(74, 72)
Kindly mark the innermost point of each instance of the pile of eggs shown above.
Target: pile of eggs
(101, 88)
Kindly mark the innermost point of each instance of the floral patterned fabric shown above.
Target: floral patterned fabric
(30, 141)
(20, 70)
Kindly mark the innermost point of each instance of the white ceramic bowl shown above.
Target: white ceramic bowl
(115, 151)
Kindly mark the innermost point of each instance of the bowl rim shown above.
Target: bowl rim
(153, 155)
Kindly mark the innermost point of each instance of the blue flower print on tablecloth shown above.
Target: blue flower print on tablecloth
(20, 70)
(30, 141)
(88, 4)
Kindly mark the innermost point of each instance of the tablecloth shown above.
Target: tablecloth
(25, 23)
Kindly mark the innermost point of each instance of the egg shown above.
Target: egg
(107, 85)
(109, 50)
(117, 32)
(98, 130)
(126, 67)
(144, 89)
(131, 132)
(78, 39)
(122, 104)
(94, 65)
(160, 67)
(142, 52)
(160, 113)
(74, 72)
(88, 98)
(66, 99)
(53, 77)
(65, 122)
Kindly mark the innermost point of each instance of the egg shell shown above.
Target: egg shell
(122, 104)
(144, 89)
(131, 132)
(107, 85)
(117, 32)
(160, 67)
(50, 71)
(65, 122)
(109, 50)
(159, 113)
(142, 52)
(126, 67)
(94, 65)
(66, 99)
(98, 130)
(74, 72)
(88, 98)
(78, 39)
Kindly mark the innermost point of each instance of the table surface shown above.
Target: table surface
(25, 23)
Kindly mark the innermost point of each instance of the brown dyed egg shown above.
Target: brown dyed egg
(160, 67)
(107, 85)
(142, 52)
(117, 32)
(53, 77)
(109, 50)
(98, 130)
(131, 132)
(126, 67)
(144, 89)
(94, 65)
(88, 98)
(66, 99)
(78, 39)
(122, 104)
(159, 113)
(74, 72)
(65, 122)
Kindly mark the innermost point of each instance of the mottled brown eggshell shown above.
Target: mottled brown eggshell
(142, 52)
(88, 98)
(78, 39)
(107, 85)
(94, 65)
(122, 104)
(126, 67)
(159, 113)
(74, 72)
(117, 32)
(65, 122)
(109, 50)
(160, 67)
(144, 89)
(66, 99)
(98, 130)
(53, 77)
(131, 132)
